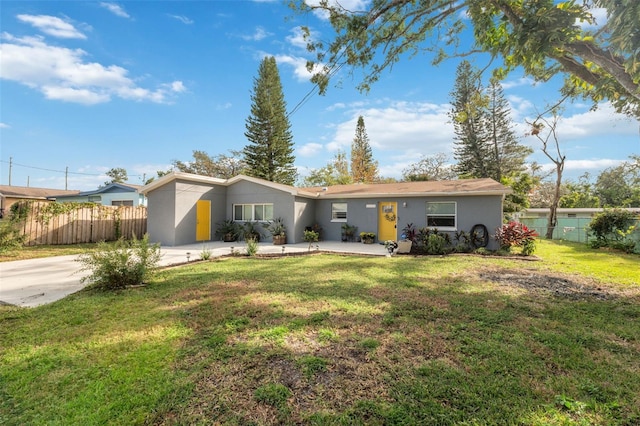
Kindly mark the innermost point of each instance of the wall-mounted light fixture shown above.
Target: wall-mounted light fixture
(404, 204)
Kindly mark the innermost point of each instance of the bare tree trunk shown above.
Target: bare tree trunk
(557, 158)
(553, 209)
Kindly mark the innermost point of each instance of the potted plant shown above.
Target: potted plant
(277, 230)
(404, 246)
(367, 237)
(251, 232)
(348, 232)
(227, 230)
(390, 245)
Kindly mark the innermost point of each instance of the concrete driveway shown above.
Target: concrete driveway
(34, 282)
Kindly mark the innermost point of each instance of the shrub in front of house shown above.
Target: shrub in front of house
(311, 237)
(123, 264)
(515, 234)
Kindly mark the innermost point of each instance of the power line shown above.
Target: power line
(57, 171)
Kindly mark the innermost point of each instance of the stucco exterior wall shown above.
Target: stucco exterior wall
(172, 211)
(470, 211)
(483, 210)
(161, 212)
(244, 192)
(305, 215)
(366, 219)
(187, 195)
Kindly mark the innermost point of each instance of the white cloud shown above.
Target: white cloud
(575, 168)
(176, 86)
(299, 65)
(116, 9)
(337, 105)
(519, 106)
(412, 127)
(259, 34)
(182, 19)
(600, 16)
(4, 126)
(351, 5)
(600, 163)
(221, 107)
(604, 122)
(69, 94)
(309, 150)
(52, 26)
(61, 74)
(296, 39)
(523, 81)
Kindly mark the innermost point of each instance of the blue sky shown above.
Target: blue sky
(90, 86)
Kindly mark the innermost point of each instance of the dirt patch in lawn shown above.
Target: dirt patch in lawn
(561, 285)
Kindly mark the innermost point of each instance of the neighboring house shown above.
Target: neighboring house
(572, 223)
(114, 194)
(184, 208)
(10, 195)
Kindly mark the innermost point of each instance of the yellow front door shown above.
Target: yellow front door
(387, 221)
(203, 220)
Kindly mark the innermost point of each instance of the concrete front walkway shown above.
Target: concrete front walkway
(35, 282)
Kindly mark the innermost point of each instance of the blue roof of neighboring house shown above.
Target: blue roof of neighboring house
(111, 188)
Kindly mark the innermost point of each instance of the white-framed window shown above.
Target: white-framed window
(338, 212)
(252, 212)
(441, 215)
(95, 198)
(122, 203)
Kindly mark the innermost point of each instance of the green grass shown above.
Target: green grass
(328, 339)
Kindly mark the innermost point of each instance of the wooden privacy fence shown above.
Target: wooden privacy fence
(72, 223)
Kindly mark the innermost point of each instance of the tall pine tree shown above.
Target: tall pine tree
(506, 155)
(363, 168)
(485, 144)
(269, 154)
(468, 115)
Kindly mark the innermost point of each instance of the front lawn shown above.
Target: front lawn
(329, 339)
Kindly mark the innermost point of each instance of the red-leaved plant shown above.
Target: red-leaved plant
(516, 234)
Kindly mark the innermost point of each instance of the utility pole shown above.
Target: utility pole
(10, 164)
(66, 175)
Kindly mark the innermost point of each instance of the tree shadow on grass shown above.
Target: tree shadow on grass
(362, 341)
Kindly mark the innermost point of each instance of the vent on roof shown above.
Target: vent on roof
(324, 188)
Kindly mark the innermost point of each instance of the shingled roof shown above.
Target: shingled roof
(412, 189)
(358, 190)
(33, 193)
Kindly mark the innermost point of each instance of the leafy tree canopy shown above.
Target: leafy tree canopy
(117, 175)
(619, 186)
(436, 167)
(336, 172)
(544, 37)
(580, 194)
(223, 166)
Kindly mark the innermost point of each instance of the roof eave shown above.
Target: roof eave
(179, 175)
(415, 194)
